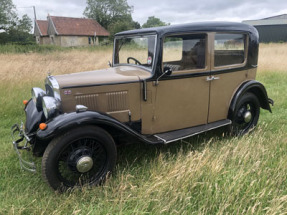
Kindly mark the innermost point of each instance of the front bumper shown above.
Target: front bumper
(19, 132)
(270, 101)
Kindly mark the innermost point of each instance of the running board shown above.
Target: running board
(172, 136)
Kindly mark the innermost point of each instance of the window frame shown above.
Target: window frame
(151, 70)
(190, 71)
(229, 66)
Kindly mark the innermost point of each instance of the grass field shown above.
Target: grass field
(205, 174)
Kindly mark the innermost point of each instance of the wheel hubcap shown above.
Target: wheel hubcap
(85, 164)
(247, 116)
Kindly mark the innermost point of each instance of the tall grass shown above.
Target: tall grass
(272, 57)
(205, 174)
(34, 48)
(22, 68)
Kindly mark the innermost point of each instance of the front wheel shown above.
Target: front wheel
(246, 114)
(82, 156)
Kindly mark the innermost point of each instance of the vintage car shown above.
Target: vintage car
(164, 84)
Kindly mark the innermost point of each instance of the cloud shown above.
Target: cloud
(71, 8)
(183, 11)
(171, 11)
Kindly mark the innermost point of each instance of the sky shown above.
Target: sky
(170, 11)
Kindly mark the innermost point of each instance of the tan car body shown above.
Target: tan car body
(118, 91)
(197, 77)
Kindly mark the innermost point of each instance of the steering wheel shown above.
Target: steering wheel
(135, 60)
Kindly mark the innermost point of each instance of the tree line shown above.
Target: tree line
(14, 29)
(114, 15)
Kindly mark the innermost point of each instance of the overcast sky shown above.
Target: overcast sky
(171, 11)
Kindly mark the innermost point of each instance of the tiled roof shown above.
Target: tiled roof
(78, 26)
(43, 27)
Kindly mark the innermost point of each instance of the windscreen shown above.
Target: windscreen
(135, 50)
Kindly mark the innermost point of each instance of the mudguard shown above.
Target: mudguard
(257, 89)
(65, 122)
(33, 117)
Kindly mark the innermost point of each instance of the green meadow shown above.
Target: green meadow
(211, 173)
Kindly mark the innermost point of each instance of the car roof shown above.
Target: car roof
(195, 27)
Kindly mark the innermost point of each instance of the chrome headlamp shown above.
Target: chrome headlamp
(52, 87)
(37, 95)
(51, 106)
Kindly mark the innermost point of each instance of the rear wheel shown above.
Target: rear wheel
(246, 114)
(83, 156)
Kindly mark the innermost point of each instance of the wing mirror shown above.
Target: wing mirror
(167, 71)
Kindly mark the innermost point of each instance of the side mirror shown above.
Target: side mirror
(167, 71)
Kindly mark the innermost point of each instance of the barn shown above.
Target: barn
(69, 32)
(271, 29)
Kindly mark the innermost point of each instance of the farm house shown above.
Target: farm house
(67, 31)
(271, 29)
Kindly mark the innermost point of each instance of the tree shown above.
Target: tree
(107, 12)
(20, 33)
(16, 37)
(13, 29)
(123, 24)
(8, 16)
(154, 22)
(24, 24)
(136, 25)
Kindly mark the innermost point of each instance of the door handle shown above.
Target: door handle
(209, 78)
(212, 78)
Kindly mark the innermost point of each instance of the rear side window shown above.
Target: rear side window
(184, 52)
(229, 49)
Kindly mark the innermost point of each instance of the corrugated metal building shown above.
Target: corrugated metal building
(271, 29)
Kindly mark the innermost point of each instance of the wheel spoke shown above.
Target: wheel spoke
(67, 162)
(246, 115)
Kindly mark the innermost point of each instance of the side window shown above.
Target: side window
(184, 52)
(229, 49)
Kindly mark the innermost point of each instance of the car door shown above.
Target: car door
(228, 61)
(180, 100)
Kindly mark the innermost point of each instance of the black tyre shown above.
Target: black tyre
(246, 114)
(82, 156)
